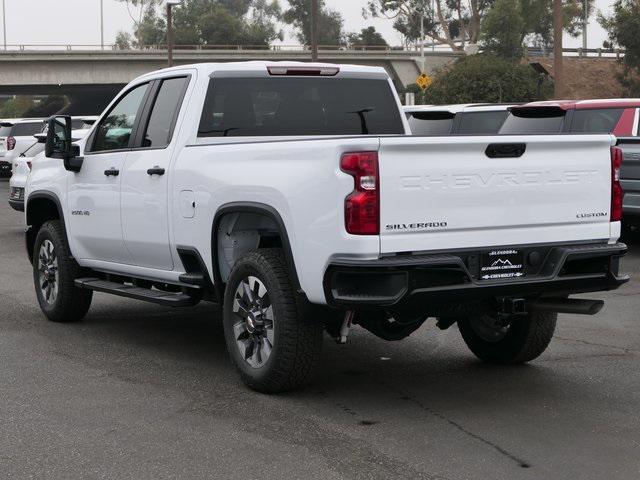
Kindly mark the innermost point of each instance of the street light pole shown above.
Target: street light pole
(102, 24)
(422, 37)
(169, 35)
(314, 30)
(557, 49)
(433, 15)
(584, 27)
(170, 4)
(4, 23)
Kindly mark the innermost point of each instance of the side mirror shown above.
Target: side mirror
(59, 143)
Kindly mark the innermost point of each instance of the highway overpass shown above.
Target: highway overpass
(91, 77)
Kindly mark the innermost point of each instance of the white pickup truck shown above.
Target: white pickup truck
(292, 195)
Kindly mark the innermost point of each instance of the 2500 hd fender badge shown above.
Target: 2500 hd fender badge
(416, 226)
(84, 213)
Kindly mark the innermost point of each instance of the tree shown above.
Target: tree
(151, 30)
(140, 11)
(457, 23)
(486, 78)
(368, 37)
(538, 17)
(503, 30)
(330, 22)
(452, 22)
(227, 22)
(32, 106)
(123, 40)
(623, 27)
(204, 22)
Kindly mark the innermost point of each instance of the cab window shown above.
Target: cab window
(114, 131)
(291, 106)
(165, 112)
(603, 120)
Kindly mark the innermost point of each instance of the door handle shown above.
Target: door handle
(112, 172)
(156, 171)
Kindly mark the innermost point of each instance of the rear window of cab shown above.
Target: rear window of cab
(27, 129)
(299, 106)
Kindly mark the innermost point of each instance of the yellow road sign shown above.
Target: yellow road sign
(424, 81)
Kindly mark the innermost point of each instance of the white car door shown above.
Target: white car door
(144, 197)
(94, 192)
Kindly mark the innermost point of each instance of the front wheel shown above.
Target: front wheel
(54, 274)
(521, 340)
(271, 342)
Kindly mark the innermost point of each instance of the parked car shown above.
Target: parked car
(18, 135)
(5, 129)
(630, 180)
(23, 163)
(463, 119)
(616, 116)
(77, 123)
(292, 195)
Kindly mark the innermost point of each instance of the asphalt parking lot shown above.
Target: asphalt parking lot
(137, 391)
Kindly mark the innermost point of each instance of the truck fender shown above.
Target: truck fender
(259, 209)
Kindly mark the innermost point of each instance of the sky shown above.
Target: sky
(62, 22)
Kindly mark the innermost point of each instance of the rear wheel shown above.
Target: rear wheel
(271, 342)
(520, 340)
(54, 274)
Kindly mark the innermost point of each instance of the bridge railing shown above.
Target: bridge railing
(163, 47)
(277, 48)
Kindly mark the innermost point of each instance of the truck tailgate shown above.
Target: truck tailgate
(444, 193)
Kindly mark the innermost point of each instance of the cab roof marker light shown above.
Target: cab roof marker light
(304, 71)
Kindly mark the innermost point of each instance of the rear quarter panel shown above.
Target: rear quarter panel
(301, 179)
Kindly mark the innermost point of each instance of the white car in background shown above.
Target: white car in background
(15, 136)
(23, 143)
(461, 119)
(23, 163)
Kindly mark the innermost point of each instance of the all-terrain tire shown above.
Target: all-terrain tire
(297, 336)
(70, 303)
(527, 337)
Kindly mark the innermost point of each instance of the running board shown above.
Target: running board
(138, 293)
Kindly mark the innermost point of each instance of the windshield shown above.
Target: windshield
(288, 106)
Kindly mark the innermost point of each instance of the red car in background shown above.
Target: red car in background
(616, 116)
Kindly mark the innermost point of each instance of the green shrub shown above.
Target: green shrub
(486, 79)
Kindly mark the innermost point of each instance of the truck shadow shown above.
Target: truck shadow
(429, 383)
(429, 366)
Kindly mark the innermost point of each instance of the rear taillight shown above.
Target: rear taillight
(362, 206)
(29, 165)
(11, 143)
(617, 193)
